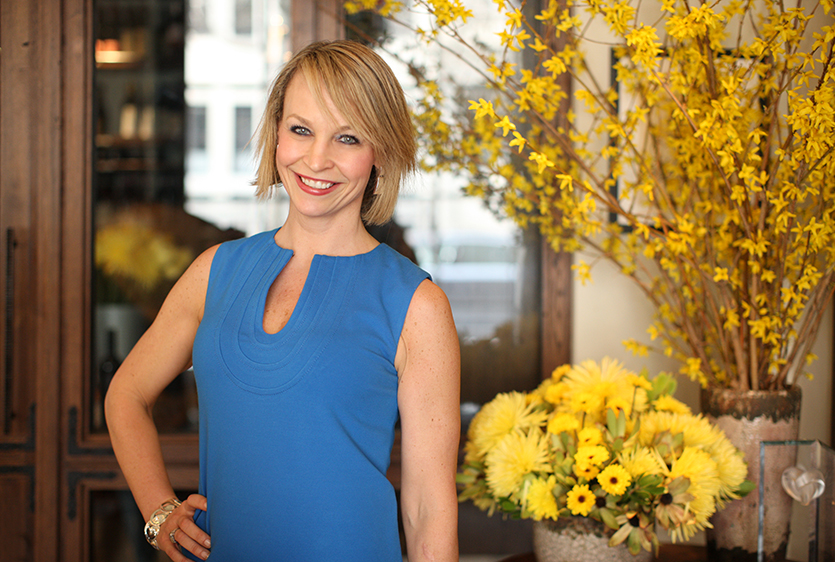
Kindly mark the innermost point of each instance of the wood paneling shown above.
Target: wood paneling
(556, 309)
(15, 493)
(315, 20)
(30, 206)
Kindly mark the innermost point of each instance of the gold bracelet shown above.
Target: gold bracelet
(158, 517)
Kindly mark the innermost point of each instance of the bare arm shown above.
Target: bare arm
(163, 352)
(428, 362)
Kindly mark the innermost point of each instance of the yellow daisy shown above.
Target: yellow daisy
(513, 458)
(540, 499)
(667, 403)
(589, 436)
(555, 392)
(594, 455)
(560, 371)
(614, 479)
(639, 381)
(563, 422)
(580, 500)
(588, 472)
(587, 402)
(619, 403)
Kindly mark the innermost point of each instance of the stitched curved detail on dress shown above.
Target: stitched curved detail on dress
(266, 357)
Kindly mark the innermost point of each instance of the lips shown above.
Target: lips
(315, 184)
(316, 187)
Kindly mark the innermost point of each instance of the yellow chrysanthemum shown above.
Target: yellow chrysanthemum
(697, 431)
(580, 500)
(513, 458)
(594, 455)
(700, 433)
(563, 422)
(614, 479)
(700, 469)
(667, 403)
(639, 461)
(589, 436)
(591, 387)
(540, 499)
(506, 413)
(731, 466)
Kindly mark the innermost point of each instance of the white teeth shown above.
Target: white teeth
(315, 184)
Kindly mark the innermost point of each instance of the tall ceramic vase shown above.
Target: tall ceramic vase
(748, 418)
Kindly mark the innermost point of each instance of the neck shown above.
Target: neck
(310, 237)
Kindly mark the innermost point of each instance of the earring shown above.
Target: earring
(377, 180)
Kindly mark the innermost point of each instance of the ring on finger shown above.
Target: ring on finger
(171, 536)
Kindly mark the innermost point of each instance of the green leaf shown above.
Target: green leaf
(508, 506)
(620, 535)
(608, 518)
(465, 478)
(745, 488)
(634, 543)
(663, 384)
(611, 421)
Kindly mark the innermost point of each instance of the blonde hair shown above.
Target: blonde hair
(365, 91)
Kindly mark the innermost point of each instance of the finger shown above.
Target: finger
(187, 543)
(172, 549)
(195, 533)
(197, 501)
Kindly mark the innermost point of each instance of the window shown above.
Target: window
(197, 20)
(243, 17)
(243, 133)
(196, 156)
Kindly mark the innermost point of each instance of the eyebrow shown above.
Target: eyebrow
(306, 123)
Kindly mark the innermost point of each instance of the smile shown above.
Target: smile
(315, 184)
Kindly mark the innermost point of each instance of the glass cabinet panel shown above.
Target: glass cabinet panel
(178, 87)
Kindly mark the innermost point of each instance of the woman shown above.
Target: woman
(308, 343)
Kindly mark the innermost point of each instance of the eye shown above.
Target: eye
(348, 139)
(299, 130)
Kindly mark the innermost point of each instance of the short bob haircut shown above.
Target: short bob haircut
(365, 91)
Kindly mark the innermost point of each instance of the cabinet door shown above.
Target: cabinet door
(30, 203)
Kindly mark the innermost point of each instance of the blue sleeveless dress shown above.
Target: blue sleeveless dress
(296, 428)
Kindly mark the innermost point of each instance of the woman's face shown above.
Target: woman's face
(322, 161)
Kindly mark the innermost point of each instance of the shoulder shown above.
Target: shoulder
(189, 292)
(429, 303)
(393, 258)
(429, 332)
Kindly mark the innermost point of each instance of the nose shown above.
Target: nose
(319, 156)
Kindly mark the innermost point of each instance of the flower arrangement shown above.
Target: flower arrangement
(138, 260)
(599, 441)
(704, 169)
(140, 255)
